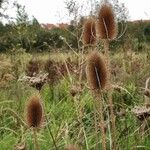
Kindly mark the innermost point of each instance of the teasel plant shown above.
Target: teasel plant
(88, 37)
(89, 32)
(34, 113)
(96, 73)
(34, 117)
(107, 31)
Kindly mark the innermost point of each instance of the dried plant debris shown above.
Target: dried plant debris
(147, 93)
(21, 146)
(75, 89)
(141, 112)
(147, 90)
(36, 81)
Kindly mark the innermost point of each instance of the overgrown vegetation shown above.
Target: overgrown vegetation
(52, 63)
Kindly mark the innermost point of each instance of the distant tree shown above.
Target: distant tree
(3, 6)
(73, 10)
(21, 16)
(147, 33)
(121, 11)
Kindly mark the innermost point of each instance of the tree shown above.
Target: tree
(21, 16)
(121, 11)
(3, 6)
(147, 33)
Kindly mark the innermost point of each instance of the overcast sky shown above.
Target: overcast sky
(53, 11)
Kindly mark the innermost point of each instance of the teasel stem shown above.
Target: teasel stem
(100, 101)
(97, 78)
(99, 107)
(110, 92)
(95, 123)
(102, 123)
(35, 139)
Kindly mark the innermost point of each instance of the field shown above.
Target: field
(78, 86)
(68, 103)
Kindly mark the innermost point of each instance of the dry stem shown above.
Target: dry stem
(110, 91)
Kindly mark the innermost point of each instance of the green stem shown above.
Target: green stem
(35, 139)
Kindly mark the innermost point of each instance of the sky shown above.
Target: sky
(54, 11)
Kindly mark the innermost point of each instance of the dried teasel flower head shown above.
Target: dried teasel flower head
(106, 22)
(89, 32)
(34, 112)
(96, 71)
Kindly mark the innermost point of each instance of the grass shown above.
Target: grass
(63, 110)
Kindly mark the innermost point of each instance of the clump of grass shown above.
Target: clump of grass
(89, 32)
(106, 23)
(34, 116)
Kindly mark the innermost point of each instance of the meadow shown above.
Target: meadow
(89, 99)
(70, 117)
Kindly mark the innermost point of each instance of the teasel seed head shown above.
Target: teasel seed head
(89, 32)
(106, 23)
(34, 112)
(96, 71)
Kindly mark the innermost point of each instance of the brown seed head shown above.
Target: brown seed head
(96, 71)
(106, 24)
(89, 32)
(34, 112)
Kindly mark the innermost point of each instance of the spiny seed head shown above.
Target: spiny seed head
(89, 32)
(106, 23)
(34, 112)
(96, 71)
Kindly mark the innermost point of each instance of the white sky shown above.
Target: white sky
(53, 11)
